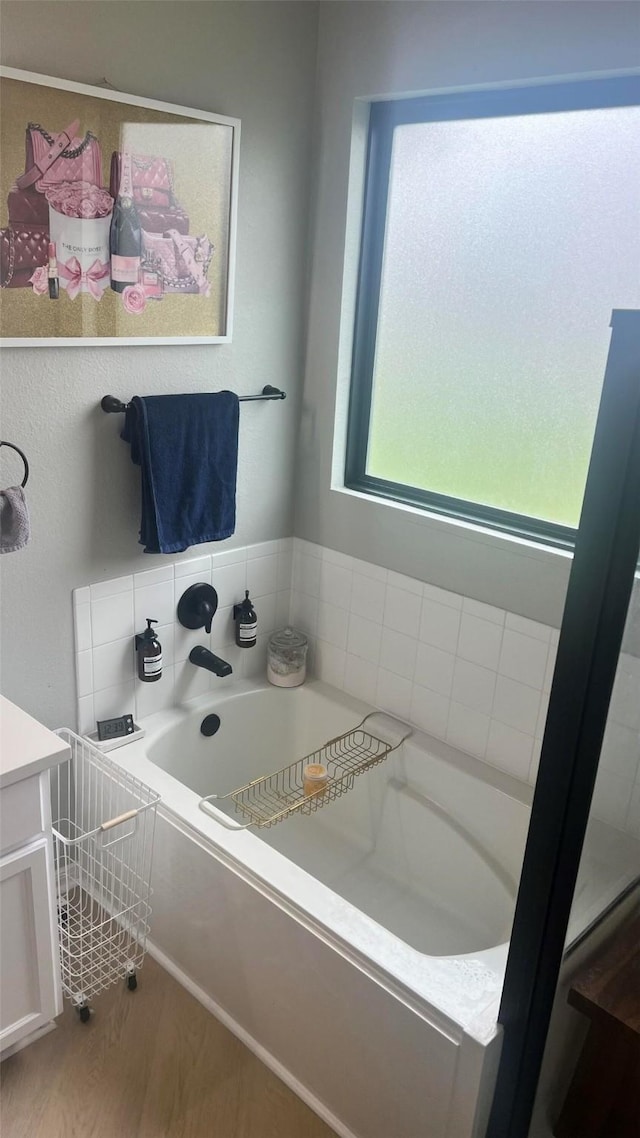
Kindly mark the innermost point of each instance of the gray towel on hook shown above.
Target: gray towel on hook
(14, 520)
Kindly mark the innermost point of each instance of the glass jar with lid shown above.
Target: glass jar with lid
(287, 658)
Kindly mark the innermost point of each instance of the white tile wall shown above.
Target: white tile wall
(479, 640)
(469, 673)
(434, 669)
(108, 614)
(464, 671)
(429, 711)
(439, 625)
(474, 686)
(617, 791)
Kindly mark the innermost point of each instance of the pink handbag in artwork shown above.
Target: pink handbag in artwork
(151, 176)
(156, 204)
(64, 157)
(182, 261)
(22, 251)
(27, 207)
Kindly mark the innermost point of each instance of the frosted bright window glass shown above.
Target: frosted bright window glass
(508, 242)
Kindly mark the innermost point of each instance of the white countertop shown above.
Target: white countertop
(26, 747)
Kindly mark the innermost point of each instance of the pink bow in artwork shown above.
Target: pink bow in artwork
(76, 277)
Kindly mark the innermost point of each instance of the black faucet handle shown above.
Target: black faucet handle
(207, 612)
(197, 606)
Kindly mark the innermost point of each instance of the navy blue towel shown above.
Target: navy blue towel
(187, 448)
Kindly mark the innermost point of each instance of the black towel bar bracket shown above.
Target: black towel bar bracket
(114, 406)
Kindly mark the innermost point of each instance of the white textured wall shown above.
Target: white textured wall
(377, 49)
(255, 61)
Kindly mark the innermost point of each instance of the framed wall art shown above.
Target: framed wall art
(117, 217)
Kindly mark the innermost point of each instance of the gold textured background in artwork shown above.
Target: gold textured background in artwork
(201, 156)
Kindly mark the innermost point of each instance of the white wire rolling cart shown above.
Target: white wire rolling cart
(103, 831)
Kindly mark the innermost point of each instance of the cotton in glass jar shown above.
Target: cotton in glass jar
(287, 658)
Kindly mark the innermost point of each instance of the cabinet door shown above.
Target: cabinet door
(29, 967)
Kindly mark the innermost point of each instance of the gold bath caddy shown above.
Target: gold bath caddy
(277, 796)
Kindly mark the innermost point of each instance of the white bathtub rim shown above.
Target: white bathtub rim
(456, 993)
(498, 781)
(422, 998)
(444, 987)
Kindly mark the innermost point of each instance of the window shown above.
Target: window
(500, 231)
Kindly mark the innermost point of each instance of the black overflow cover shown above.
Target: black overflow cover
(210, 724)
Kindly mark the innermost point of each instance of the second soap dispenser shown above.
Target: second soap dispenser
(149, 654)
(246, 623)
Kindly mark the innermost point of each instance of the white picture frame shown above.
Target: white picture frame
(222, 325)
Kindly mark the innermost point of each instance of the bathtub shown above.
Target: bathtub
(360, 950)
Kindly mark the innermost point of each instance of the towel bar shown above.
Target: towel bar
(114, 406)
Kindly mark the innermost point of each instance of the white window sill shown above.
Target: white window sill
(430, 521)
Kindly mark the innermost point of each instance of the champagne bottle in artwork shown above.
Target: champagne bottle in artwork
(125, 237)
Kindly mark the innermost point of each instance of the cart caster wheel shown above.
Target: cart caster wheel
(84, 1014)
(132, 982)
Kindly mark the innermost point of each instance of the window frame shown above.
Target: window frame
(385, 115)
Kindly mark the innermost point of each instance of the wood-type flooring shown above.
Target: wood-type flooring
(149, 1064)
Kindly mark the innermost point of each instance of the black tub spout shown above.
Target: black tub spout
(203, 658)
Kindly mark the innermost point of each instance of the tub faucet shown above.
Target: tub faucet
(203, 658)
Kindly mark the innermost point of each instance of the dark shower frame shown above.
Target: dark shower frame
(597, 603)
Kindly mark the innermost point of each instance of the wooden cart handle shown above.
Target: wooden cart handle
(116, 821)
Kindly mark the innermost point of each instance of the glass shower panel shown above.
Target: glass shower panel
(610, 862)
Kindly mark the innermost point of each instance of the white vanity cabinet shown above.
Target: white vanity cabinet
(30, 993)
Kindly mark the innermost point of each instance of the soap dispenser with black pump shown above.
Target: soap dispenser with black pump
(149, 654)
(246, 622)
